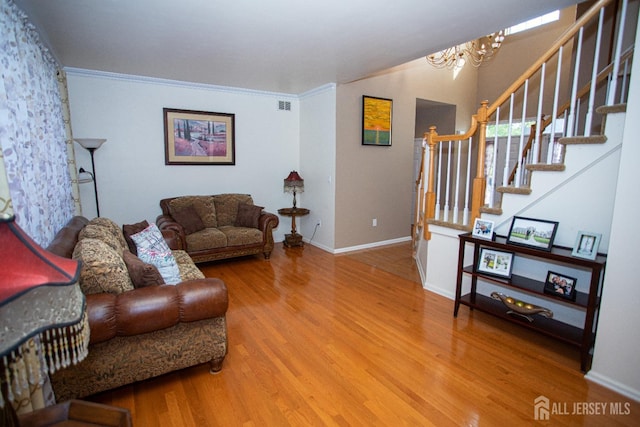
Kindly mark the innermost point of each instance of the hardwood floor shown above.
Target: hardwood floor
(317, 339)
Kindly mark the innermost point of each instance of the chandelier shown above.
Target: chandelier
(475, 51)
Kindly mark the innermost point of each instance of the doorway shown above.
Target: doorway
(429, 113)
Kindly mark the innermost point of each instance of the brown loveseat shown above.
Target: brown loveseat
(144, 332)
(217, 227)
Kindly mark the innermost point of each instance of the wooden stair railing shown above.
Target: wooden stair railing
(426, 211)
(562, 110)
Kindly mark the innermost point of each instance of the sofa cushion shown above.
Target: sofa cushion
(112, 227)
(94, 231)
(238, 236)
(248, 215)
(154, 250)
(103, 269)
(227, 207)
(129, 229)
(204, 205)
(188, 218)
(209, 238)
(142, 274)
(188, 270)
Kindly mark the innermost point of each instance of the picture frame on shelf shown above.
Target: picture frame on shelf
(586, 245)
(198, 137)
(483, 229)
(495, 263)
(560, 285)
(377, 114)
(533, 233)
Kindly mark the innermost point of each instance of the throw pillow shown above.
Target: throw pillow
(112, 227)
(227, 207)
(129, 229)
(248, 215)
(189, 219)
(102, 268)
(204, 205)
(141, 273)
(94, 231)
(154, 250)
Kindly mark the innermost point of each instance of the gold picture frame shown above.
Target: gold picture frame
(198, 137)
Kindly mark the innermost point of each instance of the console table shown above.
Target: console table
(587, 301)
(293, 239)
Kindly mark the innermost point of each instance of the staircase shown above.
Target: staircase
(563, 165)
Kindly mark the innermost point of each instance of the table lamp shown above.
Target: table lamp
(43, 322)
(294, 184)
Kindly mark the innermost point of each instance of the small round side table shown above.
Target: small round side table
(293, 239)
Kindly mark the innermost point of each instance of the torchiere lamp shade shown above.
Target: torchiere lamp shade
(42, 311)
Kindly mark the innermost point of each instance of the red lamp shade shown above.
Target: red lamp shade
(42, 310)
(294, 184)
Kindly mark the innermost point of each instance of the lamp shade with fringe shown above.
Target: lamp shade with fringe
(43, 322)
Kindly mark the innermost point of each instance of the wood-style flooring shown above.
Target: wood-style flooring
(317, 339)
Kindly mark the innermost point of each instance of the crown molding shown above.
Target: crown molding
(175, 83)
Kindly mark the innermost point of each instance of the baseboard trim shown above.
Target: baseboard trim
(372, 245)
(613, 385)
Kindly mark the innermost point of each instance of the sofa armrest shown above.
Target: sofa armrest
(267, 222)
(166, 223)
(154, 308)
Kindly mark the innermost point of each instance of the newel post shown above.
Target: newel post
(430, 195)
(480, 181)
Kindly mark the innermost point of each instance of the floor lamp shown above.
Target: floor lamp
(91, 145)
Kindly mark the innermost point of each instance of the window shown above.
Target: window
(535, 22)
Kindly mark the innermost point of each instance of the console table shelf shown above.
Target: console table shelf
(588, 302)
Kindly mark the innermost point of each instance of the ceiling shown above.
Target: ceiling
(283, 46)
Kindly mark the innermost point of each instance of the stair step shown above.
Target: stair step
(514, 190)
(449, 224)
(617, 108)
(554, 167)
(596, 139)
(491, 211)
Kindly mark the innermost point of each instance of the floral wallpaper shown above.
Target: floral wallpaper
(36, 185)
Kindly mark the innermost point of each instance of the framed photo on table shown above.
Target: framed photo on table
(199, 137)
(483, 229)
(560, 285)
(586, 245)
(534, 233)
(495, 263)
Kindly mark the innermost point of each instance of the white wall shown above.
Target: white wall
(131, 173)
(615, 362)
(318, 165)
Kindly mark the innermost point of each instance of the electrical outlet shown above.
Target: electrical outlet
(374, 222)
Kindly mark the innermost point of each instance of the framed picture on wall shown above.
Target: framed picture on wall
(198, 137)
(376, 121)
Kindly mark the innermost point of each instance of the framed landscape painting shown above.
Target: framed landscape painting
(376, 121)
(199, 137)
